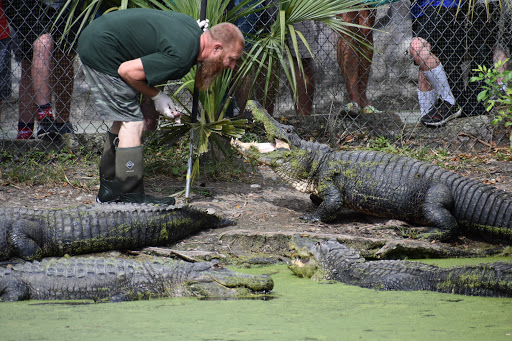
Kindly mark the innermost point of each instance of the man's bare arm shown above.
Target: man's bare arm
(132, 71)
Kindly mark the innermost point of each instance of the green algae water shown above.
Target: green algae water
(303, 310)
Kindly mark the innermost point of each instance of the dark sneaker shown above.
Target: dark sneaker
(65, 128)
(442, 112)
(47, 128)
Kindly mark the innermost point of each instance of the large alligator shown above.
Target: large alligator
(334, 261)
(381, 184)
(116, 279)
(35, 233)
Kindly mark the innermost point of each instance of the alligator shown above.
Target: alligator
(330, 260)
(381, 184)
(117, 279)
(36, 233)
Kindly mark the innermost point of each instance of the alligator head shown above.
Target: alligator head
(295, 160)
(315, 258)
(212, 280)
(274, 129)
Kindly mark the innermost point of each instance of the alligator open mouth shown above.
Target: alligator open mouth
(261, 147)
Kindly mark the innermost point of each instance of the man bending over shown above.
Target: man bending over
(129, 52)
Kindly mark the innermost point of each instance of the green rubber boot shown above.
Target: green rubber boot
(129, 178)
(107, 190)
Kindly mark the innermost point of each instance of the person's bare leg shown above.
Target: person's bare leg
(500, 55)
(365, 55)
(27, 107)
(129, 133)
(243, 89)
(63, 82)
(26, 104)
(41, 68)
(268, 97)
(348, 59)
(421, 52)
(432, 74)
(305, 86)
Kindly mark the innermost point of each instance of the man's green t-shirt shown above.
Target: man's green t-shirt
(166, 42)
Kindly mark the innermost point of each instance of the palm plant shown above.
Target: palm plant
(271, 50)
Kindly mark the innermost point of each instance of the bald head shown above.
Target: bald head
(221, 47)
(228, 35)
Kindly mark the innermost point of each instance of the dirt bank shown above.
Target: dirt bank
(267, 212)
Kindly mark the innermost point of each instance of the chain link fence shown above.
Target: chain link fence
(47, 72)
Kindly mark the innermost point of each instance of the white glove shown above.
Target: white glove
(165, 106)
(203, 24)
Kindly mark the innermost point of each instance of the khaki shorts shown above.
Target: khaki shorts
(115, 100)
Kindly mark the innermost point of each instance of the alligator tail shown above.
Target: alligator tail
(482, 207)
(494, 279)
(476, 205)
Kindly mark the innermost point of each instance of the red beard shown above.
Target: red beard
(207, 72)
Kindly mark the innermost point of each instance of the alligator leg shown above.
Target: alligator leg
(24, 238)
(315, 199)
(437, 209)
(13, 289)
(330, 203)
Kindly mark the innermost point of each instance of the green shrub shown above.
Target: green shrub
(493, 95)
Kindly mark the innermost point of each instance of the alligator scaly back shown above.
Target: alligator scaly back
(36, 233)
(382, 184)
(116, 279)
(396, 186)
(334, 261)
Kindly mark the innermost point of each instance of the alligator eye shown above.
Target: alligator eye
(216, 266)
(289, 130)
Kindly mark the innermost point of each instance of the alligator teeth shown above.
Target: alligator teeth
(264, 147)
(282, 144)
(261, 147)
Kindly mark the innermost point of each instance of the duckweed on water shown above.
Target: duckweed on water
(304, 310)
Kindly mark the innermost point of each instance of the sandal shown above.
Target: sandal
(370, 109)
(352, 107)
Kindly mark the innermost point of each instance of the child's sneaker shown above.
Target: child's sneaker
(442, 112)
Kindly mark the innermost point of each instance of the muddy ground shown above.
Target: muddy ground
(268, 212)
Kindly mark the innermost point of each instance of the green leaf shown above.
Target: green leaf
(507, 77)
(482, 96)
